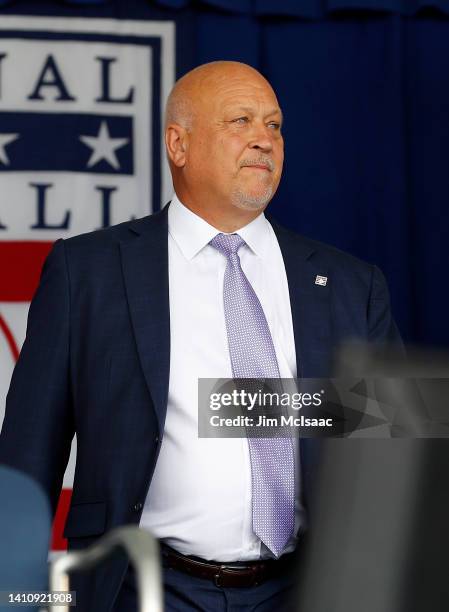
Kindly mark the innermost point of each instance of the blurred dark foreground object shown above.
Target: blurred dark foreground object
(25, 526)
(379, 533)
(358, 359)
(412, 387)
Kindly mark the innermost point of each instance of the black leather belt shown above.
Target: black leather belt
(240, 574)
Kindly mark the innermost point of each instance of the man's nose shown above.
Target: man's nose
(261, 138)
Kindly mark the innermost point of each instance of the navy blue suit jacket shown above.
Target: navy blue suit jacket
(97, 354)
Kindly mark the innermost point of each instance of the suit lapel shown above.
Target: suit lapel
(310, 305)
(311, 315)
(145, 270)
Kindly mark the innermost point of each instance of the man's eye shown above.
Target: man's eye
(241, 120)
(275, 126)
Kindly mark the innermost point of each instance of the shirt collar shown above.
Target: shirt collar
(192, 233)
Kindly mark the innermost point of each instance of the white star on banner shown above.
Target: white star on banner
(6, 139)
(103, 147)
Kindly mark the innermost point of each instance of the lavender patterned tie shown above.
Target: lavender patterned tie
(253, 356)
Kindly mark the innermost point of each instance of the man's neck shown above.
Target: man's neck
(224, 221)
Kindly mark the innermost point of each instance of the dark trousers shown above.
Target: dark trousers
(183, 593)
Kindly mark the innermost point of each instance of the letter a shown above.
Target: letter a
(50, 76)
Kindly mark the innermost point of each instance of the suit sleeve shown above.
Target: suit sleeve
(382, 328)
(38, 426)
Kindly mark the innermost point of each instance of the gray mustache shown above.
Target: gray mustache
(265, 161)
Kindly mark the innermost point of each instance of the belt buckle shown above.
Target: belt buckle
(219, 575)
(217, 578)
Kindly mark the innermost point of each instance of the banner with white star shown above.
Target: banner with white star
(80, 147)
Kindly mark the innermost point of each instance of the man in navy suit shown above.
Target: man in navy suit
(127, 319)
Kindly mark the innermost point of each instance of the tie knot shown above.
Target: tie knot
(228, 244)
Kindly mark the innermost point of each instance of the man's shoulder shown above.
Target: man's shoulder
(318, 252)
(110, 236)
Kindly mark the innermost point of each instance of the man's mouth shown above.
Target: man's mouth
(259, 165)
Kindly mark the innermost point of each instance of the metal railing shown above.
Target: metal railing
(143, 552)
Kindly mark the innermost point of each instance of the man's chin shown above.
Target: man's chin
(252, 201)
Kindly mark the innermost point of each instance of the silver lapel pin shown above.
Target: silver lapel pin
(321, 280)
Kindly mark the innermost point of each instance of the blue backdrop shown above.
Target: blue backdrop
(365, 91)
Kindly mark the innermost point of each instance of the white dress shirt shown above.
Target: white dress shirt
(199, 501)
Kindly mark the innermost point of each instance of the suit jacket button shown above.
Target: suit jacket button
(138, 506)
(156, 439)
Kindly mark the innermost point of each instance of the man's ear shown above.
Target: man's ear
(176, 138)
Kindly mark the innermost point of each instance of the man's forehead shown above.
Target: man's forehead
(245, 95)
(249, 106)
(225, 86)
